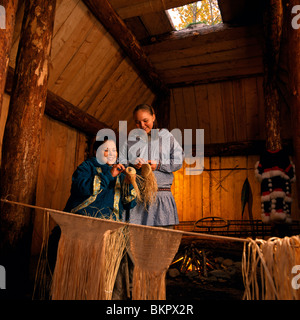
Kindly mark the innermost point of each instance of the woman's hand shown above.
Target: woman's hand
(139, 162)
(153, 164)
(117, 169)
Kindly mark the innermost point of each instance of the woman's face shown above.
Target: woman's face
(144, 120)
(107, 152)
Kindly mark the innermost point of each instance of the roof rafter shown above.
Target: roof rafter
(108, 17)
(63, 111)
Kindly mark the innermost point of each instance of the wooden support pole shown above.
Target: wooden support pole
(21, 144)
(272, 32)
(292, 41)
(6, 35)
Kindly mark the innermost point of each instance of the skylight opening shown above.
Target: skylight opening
(205, 12)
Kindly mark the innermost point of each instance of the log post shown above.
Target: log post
(6, 35)
(21, 143)
(273, 15)
(292, 41)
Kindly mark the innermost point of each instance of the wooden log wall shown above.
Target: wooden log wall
(21, 143)
(217, 191)
(89, 69)
(63, 149)
(211, 194)
(229, 112)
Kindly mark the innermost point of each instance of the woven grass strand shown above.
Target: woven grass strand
(144, 184)
(131, 178)
(153, 251)
(87, 264)
(267, 266)
(115, 245)
(149, 185)
(43, 276)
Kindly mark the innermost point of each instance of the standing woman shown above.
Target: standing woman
(164, 160)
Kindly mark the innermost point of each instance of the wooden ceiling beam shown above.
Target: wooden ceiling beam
(231, 10)
(199, 36)
(240, 12)
(65, 112)
(126, 10)
(241, 148)
(108, 17)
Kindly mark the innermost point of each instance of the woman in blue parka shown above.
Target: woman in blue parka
(97, 185)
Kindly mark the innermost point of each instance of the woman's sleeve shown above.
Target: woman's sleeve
(86, 181)
(175, 160)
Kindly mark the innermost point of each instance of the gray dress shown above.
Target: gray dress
(164, 211)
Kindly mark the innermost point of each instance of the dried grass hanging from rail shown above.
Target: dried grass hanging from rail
(267, 268)
(153, 250)
(86, 263)
(43, 274)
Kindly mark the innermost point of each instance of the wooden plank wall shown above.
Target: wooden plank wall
(229, 111)
(89, 69)
(63, 149)
(217, 191)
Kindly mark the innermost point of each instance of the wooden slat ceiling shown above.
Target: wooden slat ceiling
(199, 54)
(90, 70)
(212, 54)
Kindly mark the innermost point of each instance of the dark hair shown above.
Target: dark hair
(146, 107)
(97, 144)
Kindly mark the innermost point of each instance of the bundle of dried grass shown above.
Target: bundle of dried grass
(153, 250)
(115, 243)
(131, 178)
(43, 274)
(144, 184)
(149, 185)
(267, 268)
(81, 267)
